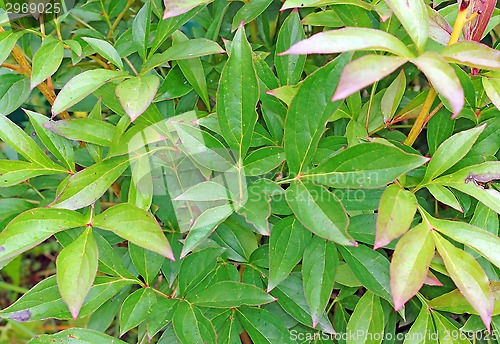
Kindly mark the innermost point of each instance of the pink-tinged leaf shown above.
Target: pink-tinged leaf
(177, 7)
(350, 39)
(454, 302)
(479, 239)
(414, 17)
(135, 94)
(365, 71)
(439, 28)
(432, 280)
(395, 214)
(410, 264)
(473, 54)
(468, 276)
(443, 79)
(492, 89)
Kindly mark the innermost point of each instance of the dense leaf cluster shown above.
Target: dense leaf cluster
(215, 171)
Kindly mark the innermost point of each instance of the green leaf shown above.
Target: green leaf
(110, 261)
(191, 326)
(320, 211)
(467, 180)
(18, 140)
(184, 50)
(444, 195)
(30, 228)
(263, 326)
(319, 266)
(443, 79)
(204, 225)
(350, 39)
(468, 276)
(451, 151)
(195, 267)
(60, 147)
(76, 270)
(206, 192)
(303, 131)
(257, 208)
(230, 294)
(135, 225)
(161, 313)
(8, 41)
(364, 71)
(44, 301)
(484, 242)
(13, 172)
(84, 129)
(366, 165)
(238, 237)
(193, 71)
(13, 206)
(286, 247)
(422, 330)
(491, 87)
(249, 12)
(140, 29)
(229, 331)
(370, 267)
(178, 7)
(204, 148)
(445, 328)
(289, 67)
(395, 214)
(415, 19)
(410, 263)
(147, 263)
(472, 54)
(137, 93)
(285, 93)
(439, 128)
(106, 50)
(88, 185)
(367, 321)
(46, 61)
(238, 95)
(135, 308)
(14, 92)
(392, 96)
(263, 160)
(81, 86)
(76, 336)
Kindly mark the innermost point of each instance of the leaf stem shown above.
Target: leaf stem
(424, 116)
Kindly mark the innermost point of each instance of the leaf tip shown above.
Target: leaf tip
(398, 305)
(270, 286)
(337, 96)
(74, 312)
